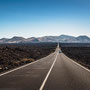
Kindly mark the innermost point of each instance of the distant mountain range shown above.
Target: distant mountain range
(61, 38)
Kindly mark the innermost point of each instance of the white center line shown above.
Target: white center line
(43, 84)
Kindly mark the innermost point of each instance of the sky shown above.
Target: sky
(36, 18)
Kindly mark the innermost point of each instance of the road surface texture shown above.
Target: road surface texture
(54, 72)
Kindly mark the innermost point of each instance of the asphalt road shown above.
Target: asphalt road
(54, 72)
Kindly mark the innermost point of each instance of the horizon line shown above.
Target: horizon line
(43, 36)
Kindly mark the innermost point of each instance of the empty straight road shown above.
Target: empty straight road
(54, 72)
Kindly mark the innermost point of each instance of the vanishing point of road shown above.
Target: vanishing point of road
(54, 72)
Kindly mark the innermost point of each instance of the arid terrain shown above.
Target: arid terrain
(14, 55)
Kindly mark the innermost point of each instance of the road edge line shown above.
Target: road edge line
(17, 68)
(79, 65)
(20, 67)
(43, 84)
